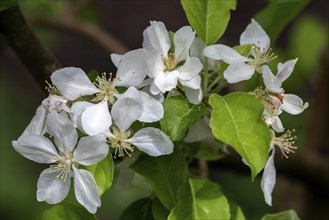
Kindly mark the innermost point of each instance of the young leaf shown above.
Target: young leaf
(159, 212)
(165, 174)
(140, 209)
(103, 173)
(285, 215)
(200, 199)
(208, 18)
(66, 211)
(277, 15)
(179, 115)
(237, 121)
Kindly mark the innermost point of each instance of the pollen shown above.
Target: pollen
(107, 88)
(51, 89)
(285, 142)
(119, 142)
(170, 62)
(261, 57)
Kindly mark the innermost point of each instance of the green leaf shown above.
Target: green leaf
(200, 199)
(159, 212)
(208, 18)
(244, 50)
(103, 173)
(285, 215)
(237, 121)
(165, 174)
(92, 75)
(179, 115)
(277, 15)
(236, 212)
(7, 4)
(66, 211)
(140, 208)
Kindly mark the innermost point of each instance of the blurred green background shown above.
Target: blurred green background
(306, 37)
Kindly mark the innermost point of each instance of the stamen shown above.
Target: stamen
(285, 142)
(51, 89)
(106, 87)
(169, 62)
(261, 57)
(63, 166)
(118, 141)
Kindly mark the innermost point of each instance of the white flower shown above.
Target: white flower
(125, 111)
(168, 69)
(90, 119)
(240, 67)
(54, 182)
(286, 145)
(287, 102)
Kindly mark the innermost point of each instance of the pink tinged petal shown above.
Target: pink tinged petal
(166, 81)
(152, 108)
(292, 104)
(190, 69)
(272, 83)
(183, 39)
(254, 34)
(72, 83)
(277, 125)
(76, 111)
(91, 150)
(194, 96)
(85, 190)
(96, 119)
(132, 68)
(61, 127)
(156, 37)
(225, 53)
(116, 58)
(127, 109)
(269, 179)
(194, 83)
(36, 148)
(152, 141)
(238, 72)
(285, 69)
(51, 189)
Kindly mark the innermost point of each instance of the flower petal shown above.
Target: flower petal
(37, 126)
(61, 127)
(152, 108)
(225, 53)
(36, 148)
(96, 119)
(166, 81)
(132, 68)
(154, 90)
(293, 104)
(127, 109)
(190, 69)
(193, 95)
(285, 69)
(85, 190)
(152, 141)
(272, 83)
(238, 72)
(116, 58)
(91, 150)
(254, 34)
(156, 37)
(269, 179)
(194, 83)
(277, 125)
(183, 39)
(51, 189)
(72, 83)
(76, 111)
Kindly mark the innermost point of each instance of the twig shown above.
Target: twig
(36, 57)
(203, 168)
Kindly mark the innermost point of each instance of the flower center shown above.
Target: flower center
(260, 57)
(51, 89)
(285, 142)
(169, 62)
(63, 167)
(107, 88)
(120, 143)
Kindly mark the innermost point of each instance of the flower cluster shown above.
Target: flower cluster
(104, 111)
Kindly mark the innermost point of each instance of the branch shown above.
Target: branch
(21, 38)
(72, 23)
